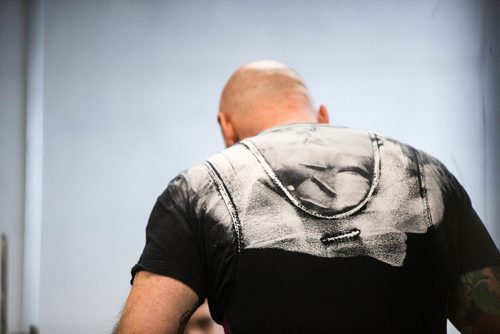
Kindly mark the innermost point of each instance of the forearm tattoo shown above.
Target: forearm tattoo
(477, 305)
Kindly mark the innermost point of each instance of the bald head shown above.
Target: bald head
(261, 95)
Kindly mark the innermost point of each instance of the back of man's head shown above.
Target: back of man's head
(261, 95)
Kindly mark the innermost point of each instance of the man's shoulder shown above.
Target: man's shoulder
(285, 144)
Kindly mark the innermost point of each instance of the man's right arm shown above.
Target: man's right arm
(475, 306)
(157, 304)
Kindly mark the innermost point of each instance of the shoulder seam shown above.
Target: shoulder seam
(219, 183)
(423, 188)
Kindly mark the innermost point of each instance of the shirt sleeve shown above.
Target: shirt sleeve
(476, 248)
(171, 239)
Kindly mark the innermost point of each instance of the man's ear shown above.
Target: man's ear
(227, 129)
(322, 115)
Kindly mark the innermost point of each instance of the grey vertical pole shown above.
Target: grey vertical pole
(34, 163)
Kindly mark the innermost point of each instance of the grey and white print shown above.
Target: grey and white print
(324, 191)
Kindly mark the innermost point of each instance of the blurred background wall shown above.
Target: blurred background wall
(103, 102)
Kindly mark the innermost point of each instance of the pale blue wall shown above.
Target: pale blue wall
(130, 94)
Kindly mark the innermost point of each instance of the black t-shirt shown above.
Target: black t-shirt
(314, 229)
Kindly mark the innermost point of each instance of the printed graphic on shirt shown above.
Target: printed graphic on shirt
(329, 192)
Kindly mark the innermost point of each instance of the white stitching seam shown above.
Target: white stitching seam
(341, 237)
(423, 189)
(227, 199)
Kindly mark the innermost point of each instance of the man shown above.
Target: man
(301, 227)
